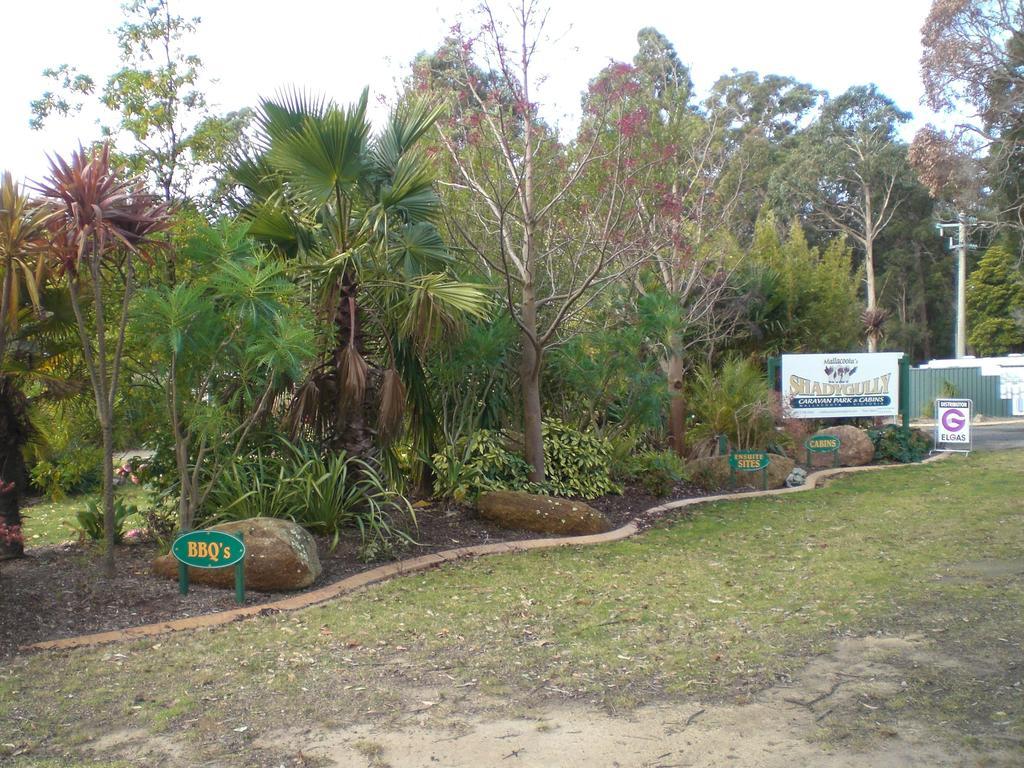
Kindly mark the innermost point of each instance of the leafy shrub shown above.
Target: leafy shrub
(73, 471)
(893, 443)
(626, 449)
(576, 464)
(90, 519)
(160, 471)
(659, 471)
(325, 495)
(735, 401)
(482, 462)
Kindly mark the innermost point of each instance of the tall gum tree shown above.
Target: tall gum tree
(852, 172)
(972, 67)
(764, 115)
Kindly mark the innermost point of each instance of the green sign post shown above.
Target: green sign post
(210, 549)
(823, 444)
(749, 461)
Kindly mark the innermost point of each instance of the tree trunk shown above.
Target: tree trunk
(186, 500)
(926, 337)
(872, 338)
(14, 430)
(102, 384)
(677, 405)
(529, 378)
(869, 263)
(107, 429)
(5, 297)
(354, 433)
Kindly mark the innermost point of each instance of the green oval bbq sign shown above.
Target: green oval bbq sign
(748, 461)
(208, 549)
(822, 444)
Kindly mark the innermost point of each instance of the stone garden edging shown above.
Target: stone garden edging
(422, 563)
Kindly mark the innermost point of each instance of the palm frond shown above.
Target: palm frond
(323, 157)
(436, 305)
(288, 110)
(354, 371)
(392, 405)
(407, 124)
(23, 223)
(417, 250)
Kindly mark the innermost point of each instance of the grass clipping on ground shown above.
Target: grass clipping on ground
(718, 604)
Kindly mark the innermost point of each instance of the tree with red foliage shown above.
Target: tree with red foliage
(102, 224)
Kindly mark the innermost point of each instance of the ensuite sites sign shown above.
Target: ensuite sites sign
(849, 384)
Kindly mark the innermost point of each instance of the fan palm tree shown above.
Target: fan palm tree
(357, 215)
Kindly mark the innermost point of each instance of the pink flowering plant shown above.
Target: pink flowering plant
(127, 473)
(10, 533)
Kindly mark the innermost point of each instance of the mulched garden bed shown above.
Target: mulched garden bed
(60, 591)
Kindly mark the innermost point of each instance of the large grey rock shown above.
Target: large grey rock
(280, 556)
(543, 514)
(796, 478)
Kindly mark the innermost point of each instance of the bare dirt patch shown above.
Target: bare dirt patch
(783, 726)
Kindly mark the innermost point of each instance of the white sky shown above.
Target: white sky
(253, 47)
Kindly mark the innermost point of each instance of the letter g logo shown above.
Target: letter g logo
(953, 420)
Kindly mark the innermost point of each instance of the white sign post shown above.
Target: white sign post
(953, 425)
(852, 384)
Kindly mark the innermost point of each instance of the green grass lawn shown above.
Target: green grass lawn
(49, 522)
(717, 604)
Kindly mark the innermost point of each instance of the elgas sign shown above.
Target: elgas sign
(953, 425)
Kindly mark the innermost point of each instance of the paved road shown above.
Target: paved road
(998, 437)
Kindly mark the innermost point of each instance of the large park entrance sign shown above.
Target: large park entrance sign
(848, 384)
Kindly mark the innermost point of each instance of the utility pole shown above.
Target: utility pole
(961, 246)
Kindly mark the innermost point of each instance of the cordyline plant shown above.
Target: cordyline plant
(101, 224)
(23, 266)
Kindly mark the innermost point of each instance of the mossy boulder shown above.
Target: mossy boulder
(713, 473)
(543, 514)
(280, 556)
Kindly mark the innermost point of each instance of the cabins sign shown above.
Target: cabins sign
(848, 384)
(823, 444)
